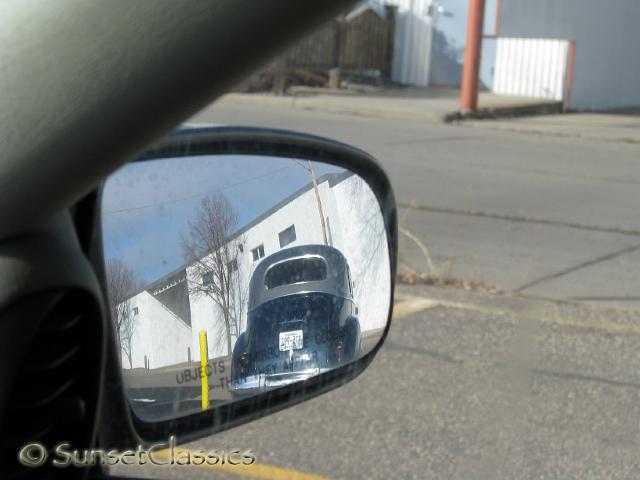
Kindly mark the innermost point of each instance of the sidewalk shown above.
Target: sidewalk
(428, 105)
(440, 104)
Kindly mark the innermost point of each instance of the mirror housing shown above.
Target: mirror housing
(119, 425)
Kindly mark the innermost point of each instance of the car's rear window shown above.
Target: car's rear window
(296, 271)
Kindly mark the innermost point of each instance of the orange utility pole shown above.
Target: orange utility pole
(472, 49)
(571, 64)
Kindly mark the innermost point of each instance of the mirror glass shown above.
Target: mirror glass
(231, 275)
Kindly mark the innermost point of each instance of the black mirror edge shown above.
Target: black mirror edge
(119, 427)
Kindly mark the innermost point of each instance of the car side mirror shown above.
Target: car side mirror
(227, 254)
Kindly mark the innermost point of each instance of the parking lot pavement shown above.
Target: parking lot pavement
(480, 386)
(552, 261)
(544, 215)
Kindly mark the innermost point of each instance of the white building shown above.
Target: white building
(413, 32)
(168, 318)
(581, 51)
(158, 330)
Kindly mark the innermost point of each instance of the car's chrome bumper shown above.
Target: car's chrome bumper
(261, 382)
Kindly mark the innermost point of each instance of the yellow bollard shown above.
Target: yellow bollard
(204, 360)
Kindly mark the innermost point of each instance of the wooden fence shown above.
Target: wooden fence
(361, 42)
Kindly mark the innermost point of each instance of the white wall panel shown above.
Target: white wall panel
(531, 67)
(412, 41)
(158, 334)
(606, 36)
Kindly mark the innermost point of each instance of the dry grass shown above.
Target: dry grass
(424, 279)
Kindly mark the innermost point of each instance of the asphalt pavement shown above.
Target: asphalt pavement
(530, 372)
(541, 215)
(472, 386)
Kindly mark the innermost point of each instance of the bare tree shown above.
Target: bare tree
(212, 257)
(370, 230)
(121, 285)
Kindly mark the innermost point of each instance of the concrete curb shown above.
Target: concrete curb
(350, 104)
(505, 112)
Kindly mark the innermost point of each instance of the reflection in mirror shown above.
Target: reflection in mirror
(230, 275)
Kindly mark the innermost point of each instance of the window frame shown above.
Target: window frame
(258, 253)
(232, 265)
(207, 278)
(292, 227)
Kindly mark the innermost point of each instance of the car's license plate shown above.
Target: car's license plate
(290, 340)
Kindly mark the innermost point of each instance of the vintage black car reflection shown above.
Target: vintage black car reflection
(302, 319)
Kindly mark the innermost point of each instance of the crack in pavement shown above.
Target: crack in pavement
(543, 173)
(430, 140)
(585, 378)
(582, 377)
(391, 345)
(566, 271)
(515, 218)
(628, 298)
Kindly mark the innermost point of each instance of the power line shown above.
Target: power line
(191, 197)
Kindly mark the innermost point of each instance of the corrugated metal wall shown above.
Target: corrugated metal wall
(412, 41)
(531, 67)
(607, 39)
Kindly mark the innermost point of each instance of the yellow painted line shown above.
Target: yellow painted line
(410, 305)
(607, 326)
(613, 327)
(413, 305)
(403, 296)
(261, 471)
(204, 362)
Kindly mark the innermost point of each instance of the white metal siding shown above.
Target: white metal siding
(606, 35)
(531, 67)
(157, 334)
(412, 41)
